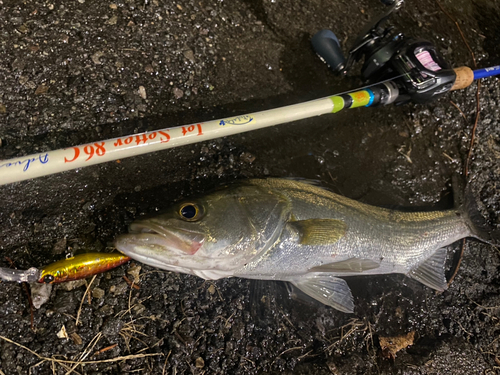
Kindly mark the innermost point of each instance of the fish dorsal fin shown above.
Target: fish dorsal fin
(431, 271)
(319, 231)
(348, 265)
(327, 289)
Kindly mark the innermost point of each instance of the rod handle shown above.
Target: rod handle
(465, 76)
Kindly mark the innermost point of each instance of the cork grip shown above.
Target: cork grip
(465, 76)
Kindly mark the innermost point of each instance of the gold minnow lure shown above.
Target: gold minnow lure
(74, 268)
(80, 267)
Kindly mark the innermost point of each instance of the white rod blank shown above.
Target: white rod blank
(45, 163)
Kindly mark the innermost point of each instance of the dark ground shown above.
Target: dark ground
(70, 73)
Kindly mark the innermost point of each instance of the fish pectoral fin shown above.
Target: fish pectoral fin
(327, 289)
(431, 271)
(348, 265)
(319, 231)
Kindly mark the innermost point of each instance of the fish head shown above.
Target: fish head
(210, 236)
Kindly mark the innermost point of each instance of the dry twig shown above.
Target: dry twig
(65, 362)
(83, 299)
(104, 350)
(132, 284)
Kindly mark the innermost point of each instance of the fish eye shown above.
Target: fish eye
(47, 279)
(190, 212)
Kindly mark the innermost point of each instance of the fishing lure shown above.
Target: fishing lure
(74, 268)
(80, 267)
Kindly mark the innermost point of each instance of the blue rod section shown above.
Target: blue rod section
(487, 72)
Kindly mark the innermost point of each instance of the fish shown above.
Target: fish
(299, 232)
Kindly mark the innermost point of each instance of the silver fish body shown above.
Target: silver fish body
(292, 230)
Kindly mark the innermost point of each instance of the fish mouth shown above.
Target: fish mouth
(153, 241)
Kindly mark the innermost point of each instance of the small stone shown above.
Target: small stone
(23, 80)
(98, 293)
(112, 327)
(139, 309)
(134, 271)
(62, 334)
(391, 345)
(76, 338)
(189, 54)
(120, 288)
(106, 310)
(70, 285)
(149, 68)
(200, 363)
(18, 65)
(42, 89)
(113, 6)
(113, 20)
(96, 57)
(211, 289)
(3, 109)
(23, 29)
(142, 92)
(178, 93)
(40, 293)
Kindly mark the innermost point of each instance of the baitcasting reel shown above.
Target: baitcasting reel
(413, 65)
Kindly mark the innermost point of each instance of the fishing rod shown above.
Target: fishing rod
(403, 70)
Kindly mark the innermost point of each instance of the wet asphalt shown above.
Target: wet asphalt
(83, 71)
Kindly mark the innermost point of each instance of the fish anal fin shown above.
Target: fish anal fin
(319, 231)
(431, 271)
(327, 289)
(348, 265)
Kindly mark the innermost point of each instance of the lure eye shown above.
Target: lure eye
(190, 212)
(47, 279)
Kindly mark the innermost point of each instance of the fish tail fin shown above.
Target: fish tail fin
(468, 207)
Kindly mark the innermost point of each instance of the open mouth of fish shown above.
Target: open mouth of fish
(153, 238)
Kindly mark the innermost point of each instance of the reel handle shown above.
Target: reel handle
(326, 44)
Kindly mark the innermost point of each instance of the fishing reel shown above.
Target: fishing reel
(414, 65)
